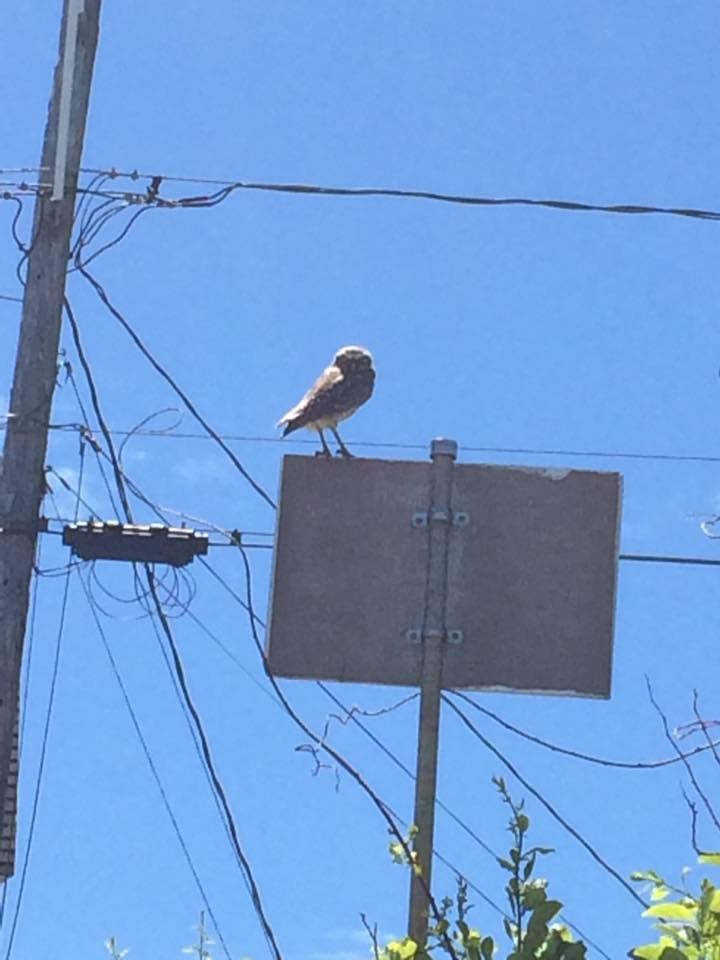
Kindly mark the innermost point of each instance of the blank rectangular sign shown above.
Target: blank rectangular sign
(531, 575)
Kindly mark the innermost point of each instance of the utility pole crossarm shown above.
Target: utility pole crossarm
(22, 480)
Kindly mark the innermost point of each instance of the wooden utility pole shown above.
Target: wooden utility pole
(22, 481)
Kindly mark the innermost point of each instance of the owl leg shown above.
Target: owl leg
(326, 451)
(344, 452)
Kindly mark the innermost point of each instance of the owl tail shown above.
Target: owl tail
(290, 426)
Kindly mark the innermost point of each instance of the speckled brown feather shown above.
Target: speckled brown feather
(335, 395)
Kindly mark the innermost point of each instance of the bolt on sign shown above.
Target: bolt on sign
(530, 575)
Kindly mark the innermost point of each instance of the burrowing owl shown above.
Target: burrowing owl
(337, 393)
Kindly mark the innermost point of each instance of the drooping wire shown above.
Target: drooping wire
(405, 769)
(249, 609)
(46, 732)
(229, 186)
(155, 773)
(81, 209)
(120, 236)
(90, 437)
(158, 510)
(24, 250)
(577, 754)
(219, 789)
(402, 445)
(380, 805)
(546, 803)
(117, 470)
(191, 728)
(184, 400)
(151, 582)
(99, 289)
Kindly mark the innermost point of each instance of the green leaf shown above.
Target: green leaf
(397, 852)
(650, 951)
(523, 822)
(712, 858)
(714, 905)
(403, 949)
(673, 911)
(547, 910)
(505, 864)
(533, 897)
(535, 935)
(650, 875)
(487, 948)
(659, 892)
(563, 932)
(574, 951)
(471, 950)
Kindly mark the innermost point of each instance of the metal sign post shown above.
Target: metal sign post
(434, 632)
(444, 575)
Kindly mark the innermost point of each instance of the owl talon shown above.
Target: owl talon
(323, 453)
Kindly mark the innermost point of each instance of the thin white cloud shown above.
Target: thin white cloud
(202, 470)
(65, 499)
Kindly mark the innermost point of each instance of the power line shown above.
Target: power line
(180, 684)
(396, 760)
(546, 803)
(655, 558)
(103, 297)
(41, 765)
(154, 770)
(45, 737)
(219, 789)
(88, 435)
(173, 384)
(577, 754)
(319, 741)
(166, 626)
(406, 770)
(229, 186)
(368, 732)
(177, 662)
(404, 445)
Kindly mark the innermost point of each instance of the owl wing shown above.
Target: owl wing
(317, 402)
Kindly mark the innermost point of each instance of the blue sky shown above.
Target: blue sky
(501, 327)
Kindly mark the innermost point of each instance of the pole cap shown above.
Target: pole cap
(441, 447)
